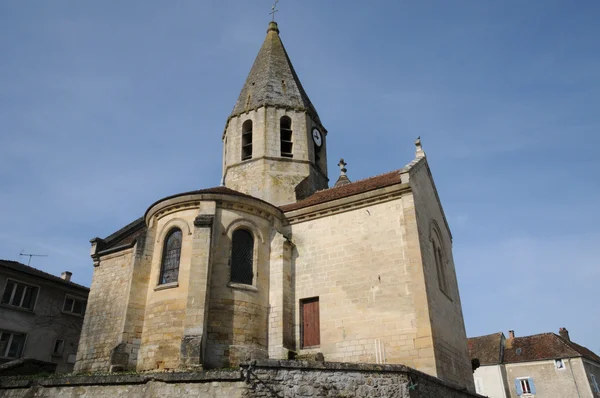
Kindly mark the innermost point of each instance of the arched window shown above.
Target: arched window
(438, 255)
(169, 267)
(285, 130)
(242, 257)
(247, 140)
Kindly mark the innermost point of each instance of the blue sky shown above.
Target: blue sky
(108, 106)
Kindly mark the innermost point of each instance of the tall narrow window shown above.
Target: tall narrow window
(247, 140)
(310, 332)
(438, 255)
(439, 260)
(169, 268)
(285, 129)
(242, 257)
(11, 344)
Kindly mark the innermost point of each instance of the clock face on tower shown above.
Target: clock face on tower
(317, 138)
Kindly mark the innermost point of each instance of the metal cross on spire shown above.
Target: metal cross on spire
(273, 10)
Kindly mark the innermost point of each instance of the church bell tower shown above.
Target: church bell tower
(274, 145)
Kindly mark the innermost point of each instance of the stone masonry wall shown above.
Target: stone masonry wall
(261, 379)
(166, 304)
(362, 265)
(447, 322)
(105, 313)
(267, 175)
(237, 318)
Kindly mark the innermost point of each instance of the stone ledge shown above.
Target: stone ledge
(125, 379)
(351, 367)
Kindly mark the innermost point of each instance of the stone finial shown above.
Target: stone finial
(273, 27)
(343, 180)
(342, 165)
(420, 153)
(419, 148)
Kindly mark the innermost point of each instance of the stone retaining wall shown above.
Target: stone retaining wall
(260, 379)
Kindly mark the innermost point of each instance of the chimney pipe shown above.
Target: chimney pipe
(564, 333)
(511, 334)
(66, 276)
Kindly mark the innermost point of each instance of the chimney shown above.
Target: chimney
(564, 333)
(66, 276)
(511, 334)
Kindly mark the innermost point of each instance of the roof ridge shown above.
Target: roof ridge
(357, 181)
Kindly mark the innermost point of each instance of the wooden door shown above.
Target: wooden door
(310, 322)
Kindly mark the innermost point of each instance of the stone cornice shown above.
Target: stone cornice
(347, 203)
(192, 200)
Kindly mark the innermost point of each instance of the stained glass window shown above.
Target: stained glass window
(169, 270)
(242, 257)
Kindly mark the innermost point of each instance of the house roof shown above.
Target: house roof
(488, 349)
(26, 269)
(349, 189)
(272, 81)
(536, 347)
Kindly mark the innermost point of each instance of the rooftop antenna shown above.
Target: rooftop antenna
(273, 10)
(31, 255)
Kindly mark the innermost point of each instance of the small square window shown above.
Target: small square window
(594, 383)
(524, 386)
(59, 345)
(74, 305)
(559, 364)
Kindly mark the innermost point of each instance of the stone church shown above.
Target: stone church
(274, 263)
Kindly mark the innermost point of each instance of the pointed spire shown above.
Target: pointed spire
(420, 153)
(343, 180)
(272, 81)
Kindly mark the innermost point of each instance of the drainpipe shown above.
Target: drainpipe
(573, 375)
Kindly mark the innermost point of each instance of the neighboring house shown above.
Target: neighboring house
(275, 260)
(541, 365)
(40, 315)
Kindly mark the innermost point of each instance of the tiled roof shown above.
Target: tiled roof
(273, 80)
(346, 190)
(19, 267)
(488, 349)
(536, 347)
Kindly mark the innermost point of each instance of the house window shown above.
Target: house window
(247, 140)
(559, 364)
(19, 295)
(74, 305)
(310, 329)
(11, 344)
(438, 255)
(285, 131)
(594, 383)
(524, 385)
(242, 257)
(169, 268)
(59, 345)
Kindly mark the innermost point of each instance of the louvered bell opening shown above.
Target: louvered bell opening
(247, 140)
(242, 256)
(285, 129)
(286, 143)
